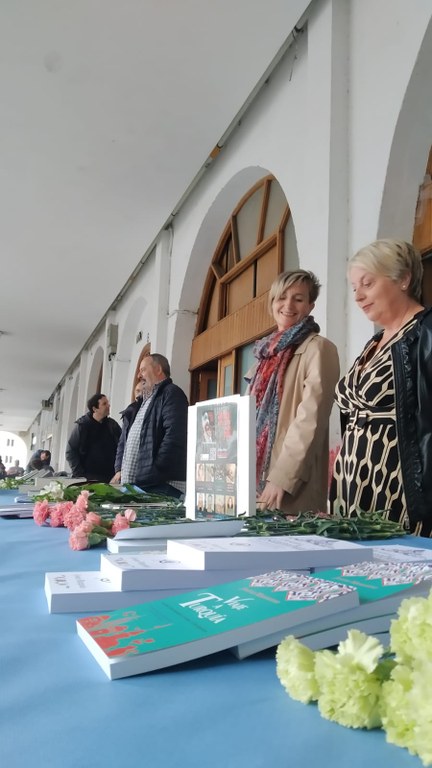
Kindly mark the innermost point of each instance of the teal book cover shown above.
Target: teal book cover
(381, 587)
(196, 623)
(382, 580)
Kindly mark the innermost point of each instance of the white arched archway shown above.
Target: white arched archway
(410, 149)
(95, 375)
(203, 248)
(13, 448)
(70, 415)
(127, 355)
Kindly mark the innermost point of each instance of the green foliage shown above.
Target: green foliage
(365, 526)
(11, 483)
(101, 493)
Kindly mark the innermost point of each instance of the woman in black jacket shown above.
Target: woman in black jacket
(385, 461)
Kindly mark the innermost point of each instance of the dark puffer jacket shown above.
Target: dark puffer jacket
(92, 447)
(163, 439)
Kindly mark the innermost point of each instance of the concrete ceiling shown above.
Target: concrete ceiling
(108, 110)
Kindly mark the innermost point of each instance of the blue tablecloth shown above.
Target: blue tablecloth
(58, 710)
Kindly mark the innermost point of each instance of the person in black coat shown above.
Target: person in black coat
(92, 445)
(152, 448)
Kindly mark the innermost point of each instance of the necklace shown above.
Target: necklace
(389, 334)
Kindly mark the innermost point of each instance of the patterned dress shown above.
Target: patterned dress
(367, 473)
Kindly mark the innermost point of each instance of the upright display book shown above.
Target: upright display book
(69, 592)
(221, 457)
(157, 571)
(267, 552)
(381, 587)
(160, 634)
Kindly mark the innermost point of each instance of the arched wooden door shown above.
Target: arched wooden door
(258, 242)
(422, 235)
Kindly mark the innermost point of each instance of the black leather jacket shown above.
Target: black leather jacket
(412, 364)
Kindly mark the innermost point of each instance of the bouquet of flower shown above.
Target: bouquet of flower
(362, 685)
(87, 528)
(53, 491)
(91, 522)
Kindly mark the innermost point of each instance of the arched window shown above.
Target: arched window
(422, 235)
(258, 243)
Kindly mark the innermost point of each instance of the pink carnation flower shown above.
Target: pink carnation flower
(86, 526)
(73, 517)
(78, 539)
(58, 511)
(41, 512)
(93, 518)
(120, 523)
(56, 516)
(82, 501)
(130, 515)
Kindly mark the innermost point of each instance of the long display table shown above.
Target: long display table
(58, 710)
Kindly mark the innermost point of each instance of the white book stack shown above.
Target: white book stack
(320, 639)
(401, 553)
(158, 571)
(267, 552)
(118, 546)
(131, 577)
(153, 538)
(72, 592)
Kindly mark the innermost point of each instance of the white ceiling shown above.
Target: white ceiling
(108, 109)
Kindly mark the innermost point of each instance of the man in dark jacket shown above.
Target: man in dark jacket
(92, 446)
(152, 448)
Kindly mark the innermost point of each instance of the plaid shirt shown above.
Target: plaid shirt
(130, 457)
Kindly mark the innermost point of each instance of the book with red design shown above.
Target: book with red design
(159, 634)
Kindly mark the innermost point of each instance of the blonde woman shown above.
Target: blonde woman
(385, 461)
(293, 382)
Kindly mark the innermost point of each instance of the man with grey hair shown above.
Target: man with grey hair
(152, 448)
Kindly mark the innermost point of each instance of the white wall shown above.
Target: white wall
(10, 453)
(344, 124)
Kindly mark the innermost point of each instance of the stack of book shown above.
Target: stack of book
(153, 538)
(380, 585)
(252, 614)
(127, 579)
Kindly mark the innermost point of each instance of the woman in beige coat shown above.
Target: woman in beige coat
(293, 382)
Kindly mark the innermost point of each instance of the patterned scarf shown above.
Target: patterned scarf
(274, 354)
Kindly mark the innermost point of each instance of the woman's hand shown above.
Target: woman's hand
(116, 479)
(271, 497)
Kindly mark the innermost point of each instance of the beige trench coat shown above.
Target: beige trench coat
(300, 455)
